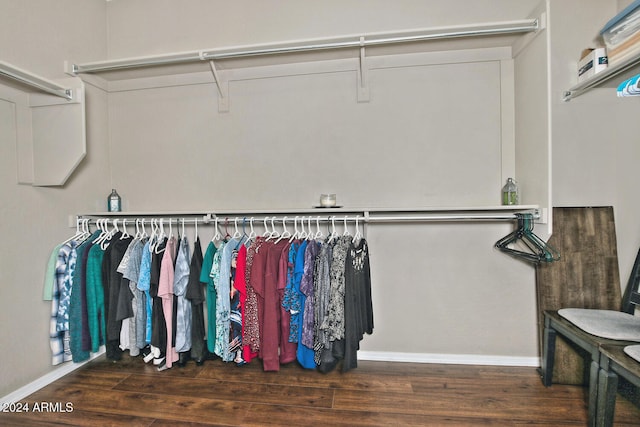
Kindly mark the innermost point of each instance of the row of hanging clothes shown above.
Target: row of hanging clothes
(278, 297)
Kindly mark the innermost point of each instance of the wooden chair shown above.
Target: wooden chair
(591, 345)
(614, 362)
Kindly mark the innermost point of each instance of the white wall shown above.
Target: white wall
(430, 136)
(438, 288)
(38, 35)
(595, 151)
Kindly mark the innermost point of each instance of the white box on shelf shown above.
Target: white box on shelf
(592, 63)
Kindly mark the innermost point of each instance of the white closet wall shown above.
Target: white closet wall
(438, 130)
(595, 151)
(38, 36)
(440, 290)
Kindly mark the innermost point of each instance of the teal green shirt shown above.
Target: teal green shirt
(207, 264)
(95, 297)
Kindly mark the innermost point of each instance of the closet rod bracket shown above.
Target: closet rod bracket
(363, 74)
(223, 88)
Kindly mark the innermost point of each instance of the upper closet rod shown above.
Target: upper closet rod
(508, 27)
(34, 81)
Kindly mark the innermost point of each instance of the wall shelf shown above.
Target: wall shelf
(370, 215)
(622, 70)
(220, 65)
(492, 30)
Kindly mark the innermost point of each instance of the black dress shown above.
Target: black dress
(358, 308)
(195, 293)
(112, 282)
(158, 325)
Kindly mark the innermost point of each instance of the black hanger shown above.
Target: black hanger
(537, 249)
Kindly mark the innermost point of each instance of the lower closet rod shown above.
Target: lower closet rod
(444, 217)
(222, 219)
(367, 217)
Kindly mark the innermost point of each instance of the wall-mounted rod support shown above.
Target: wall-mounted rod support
(34, 81)
(510, 27)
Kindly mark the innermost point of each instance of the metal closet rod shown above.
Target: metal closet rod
(446, 217)
(509, 27)
(34, 81)
(231, 219)
(361, 216)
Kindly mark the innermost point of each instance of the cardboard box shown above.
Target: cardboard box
(592, 63)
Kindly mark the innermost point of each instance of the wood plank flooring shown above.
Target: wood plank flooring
(131, 393)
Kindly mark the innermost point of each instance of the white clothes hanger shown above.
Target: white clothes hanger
(161, 237)
(138, 234)
(252, 233)
(101, 227)
(82, 233)
(104, 244)
(285, 233)
(125, 233)
(216, 236)
(303, 232)
(266, 233)
(310, 234)
(296, 231)
(144, 230)
(79, 231)
(236, 234)
(155, 235)
(84, 229)
(358, 235)
(274, 231)
(319, 233)
(196, 227)
(333, 234)
(346, 229)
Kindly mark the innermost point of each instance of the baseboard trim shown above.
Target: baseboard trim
(455, 359)
(46, 379)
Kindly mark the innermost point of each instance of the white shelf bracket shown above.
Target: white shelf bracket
(363, 74)
(223, 89)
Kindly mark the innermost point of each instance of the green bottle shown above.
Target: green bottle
(510, 193)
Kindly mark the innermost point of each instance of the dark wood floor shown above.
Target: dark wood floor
(376, 393)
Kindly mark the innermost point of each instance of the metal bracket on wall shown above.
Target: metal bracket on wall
(223, 89)
(363, 74)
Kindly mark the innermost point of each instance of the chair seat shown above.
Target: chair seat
(608, 324)
(633, 351)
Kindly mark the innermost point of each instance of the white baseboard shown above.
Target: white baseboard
(46, 379)
(455, 359)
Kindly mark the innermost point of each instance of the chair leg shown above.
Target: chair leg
(548, 354)
(594, 382)
(607, 389)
